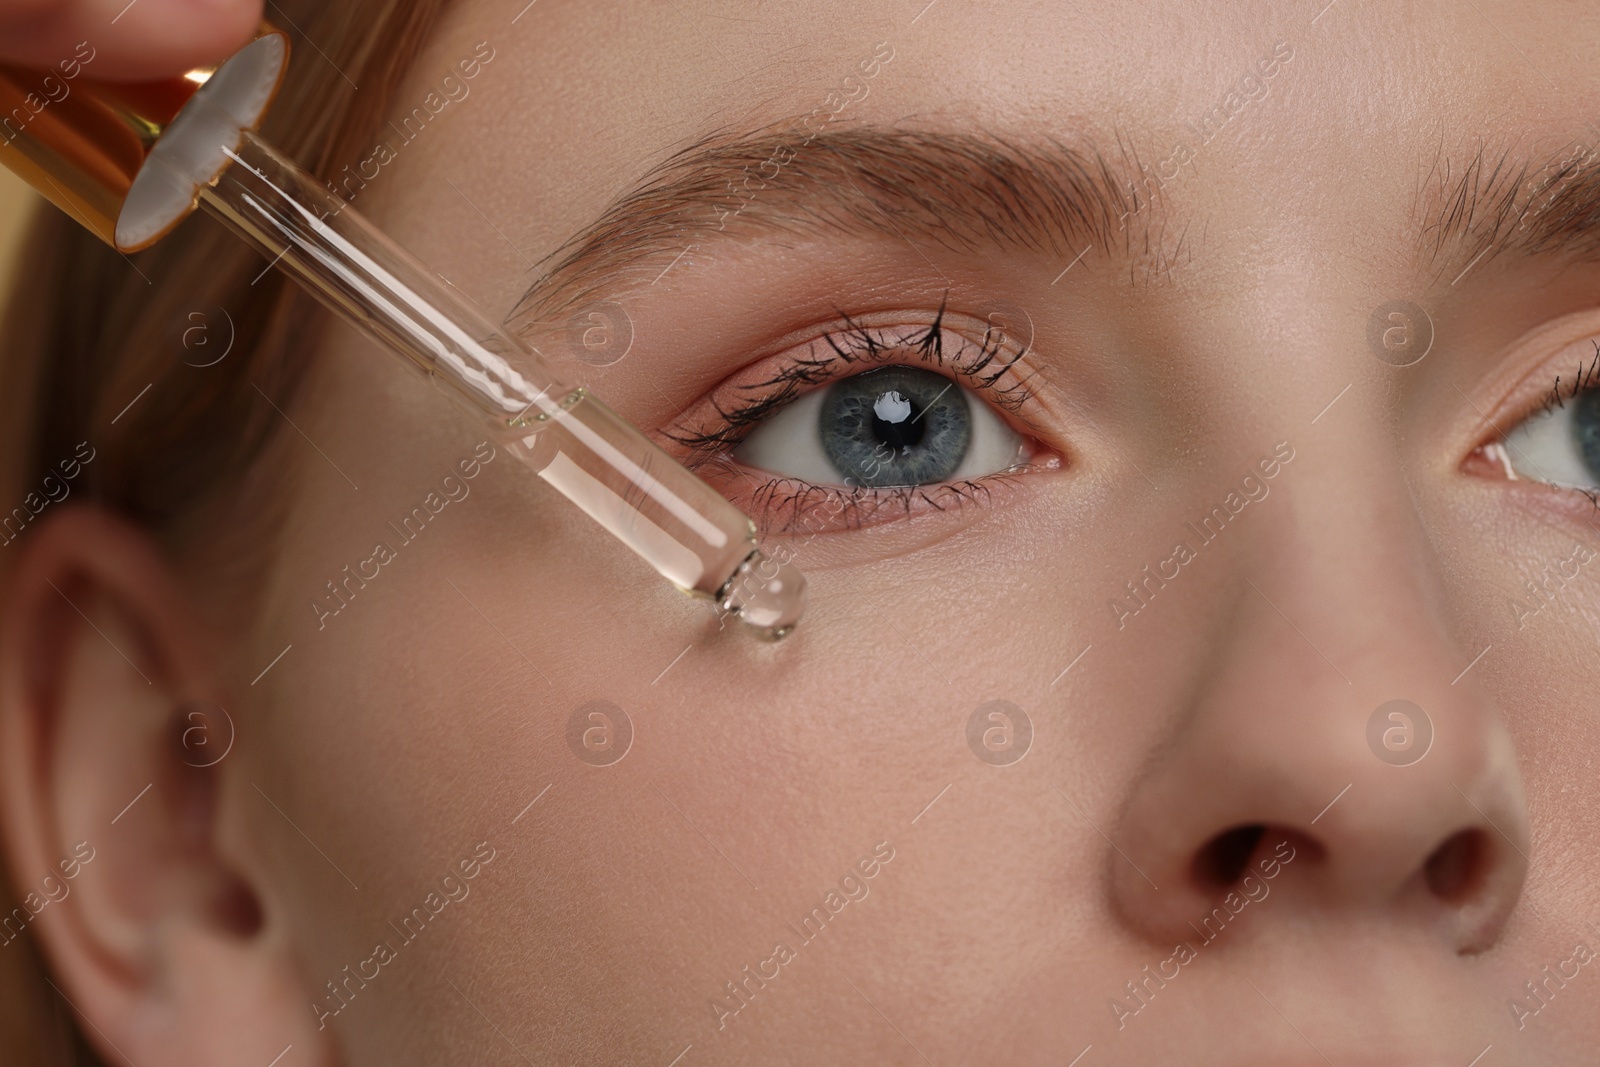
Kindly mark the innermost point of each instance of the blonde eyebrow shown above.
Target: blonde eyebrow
(962, 191)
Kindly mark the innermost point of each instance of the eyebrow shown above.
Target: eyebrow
(1501, 204)
(962, 191)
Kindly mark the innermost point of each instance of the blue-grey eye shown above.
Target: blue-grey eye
(892, 426)
(1586, 428)
(1560, 446)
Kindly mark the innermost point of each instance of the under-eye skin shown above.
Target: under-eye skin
(870, 423)
(1560, 443)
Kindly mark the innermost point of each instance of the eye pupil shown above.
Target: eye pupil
(896, 421)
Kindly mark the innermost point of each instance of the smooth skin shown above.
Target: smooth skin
(426, 725)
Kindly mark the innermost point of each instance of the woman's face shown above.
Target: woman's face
(1098, 758)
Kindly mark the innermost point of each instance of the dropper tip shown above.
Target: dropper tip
(767, 594)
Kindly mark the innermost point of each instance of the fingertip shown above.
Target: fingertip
(135, 40)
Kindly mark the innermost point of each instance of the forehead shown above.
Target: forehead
(1298, 124)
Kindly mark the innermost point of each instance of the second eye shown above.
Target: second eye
(888, 427)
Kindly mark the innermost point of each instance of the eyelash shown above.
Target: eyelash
(859, 347)
(984, 366)
(1588, 381)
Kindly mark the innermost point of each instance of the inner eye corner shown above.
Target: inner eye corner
(1489, 460)
(1555, 444)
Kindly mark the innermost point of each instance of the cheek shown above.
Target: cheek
(1536, 674)
(441, 700)
(421, 718)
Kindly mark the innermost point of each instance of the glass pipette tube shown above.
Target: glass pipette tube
(680, 525)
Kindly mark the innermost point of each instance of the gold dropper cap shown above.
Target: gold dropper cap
(85, 144)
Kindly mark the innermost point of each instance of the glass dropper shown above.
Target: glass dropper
(130, 161)
(671, 518)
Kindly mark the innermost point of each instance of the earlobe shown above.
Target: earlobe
(159, 943)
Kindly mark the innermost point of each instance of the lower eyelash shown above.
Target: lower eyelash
(782, 505)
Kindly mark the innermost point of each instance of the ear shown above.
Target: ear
(110, 694)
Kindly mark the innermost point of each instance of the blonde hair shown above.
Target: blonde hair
(88, 329)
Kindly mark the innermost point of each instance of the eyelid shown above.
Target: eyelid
(1005, 381)
(1527, 370)
(781, 505)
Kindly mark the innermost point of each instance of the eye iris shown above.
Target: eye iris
(1586, 428)
(895, 426)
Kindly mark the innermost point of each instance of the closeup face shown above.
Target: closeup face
(1182, 419)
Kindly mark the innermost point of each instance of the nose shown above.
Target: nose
(1282, 759)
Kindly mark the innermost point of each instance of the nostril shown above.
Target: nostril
(239, 910)
(1456, 869)
(1221, 861)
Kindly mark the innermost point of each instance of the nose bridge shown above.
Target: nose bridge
(1345, 556)
(1341, 607)
(1332, 715)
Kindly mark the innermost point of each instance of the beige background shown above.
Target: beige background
(16, 200)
